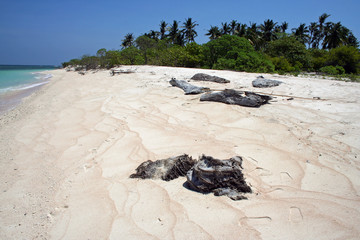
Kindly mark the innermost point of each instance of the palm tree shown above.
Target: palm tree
(174, 31)
(163, 26)
(323, 18)
(175, 35)
(284, 26)
(233, 25)
(213, 33)
(335, 35)
(253, 35)
(319, 33)
(240, 30)
(267, 29)
(153, 35)
(189, 30)
(225, 28)
(301, 33)
(351, 40)
(128, 40)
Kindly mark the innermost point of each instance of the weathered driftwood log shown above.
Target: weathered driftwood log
(187, 87)
(261, 82)
(206, 77)
(230, 96)
(166, 169)
(120, 71)
(222, 177)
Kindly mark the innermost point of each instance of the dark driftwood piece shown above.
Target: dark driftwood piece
(166, 169)
(206, 77)
(222, 177)
(187, 87)
(113, 72)
(230, 96)
(261, 82)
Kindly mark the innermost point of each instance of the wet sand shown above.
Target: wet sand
(67, 153)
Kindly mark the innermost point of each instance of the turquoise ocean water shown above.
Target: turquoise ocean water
(17, 82)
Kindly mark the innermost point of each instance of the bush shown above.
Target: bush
(345, 56)
(291, 49)
(340, 70)
(131, 56)
(318, 58)
(234, 53)
(194, 55)
(331, 70)
(282, 64)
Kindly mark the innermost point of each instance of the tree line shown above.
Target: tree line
(321, 46)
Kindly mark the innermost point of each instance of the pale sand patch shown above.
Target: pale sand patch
(67, 153)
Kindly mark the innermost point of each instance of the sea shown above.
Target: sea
(19, 81)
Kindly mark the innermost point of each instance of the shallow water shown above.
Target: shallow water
(17, 82)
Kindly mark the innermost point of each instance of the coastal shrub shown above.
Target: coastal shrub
(112, 58)
(174, 56)
(72, 62)
(194, 55)
(145, 44)
(347, 57)
(225, 47)
(340, 70)
(253, 62)
(131, 56)
(101, 54)
(234, 53)
(318, 58)
(332, 70)
(89, 62)
(291, 49)
(282, 65)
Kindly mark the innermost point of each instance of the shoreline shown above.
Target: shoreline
(12, 96)
(69, 148)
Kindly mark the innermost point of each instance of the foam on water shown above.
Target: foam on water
(17, 82)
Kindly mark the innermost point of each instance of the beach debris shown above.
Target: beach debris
(82, 72)
(206, 175)
(222, 177)
(261, 82)
(209, 78)
(120, 71)
(231, 96)
(165, 169)
(187, 87)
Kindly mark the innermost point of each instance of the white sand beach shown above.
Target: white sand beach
(68, 150)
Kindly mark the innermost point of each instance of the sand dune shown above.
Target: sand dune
(67, 153)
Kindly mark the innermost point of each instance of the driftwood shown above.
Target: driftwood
(206, 77)
(166, 169)
(187, 87)
(230, 96)
(222, 177)
(113, 72)
(261, 82)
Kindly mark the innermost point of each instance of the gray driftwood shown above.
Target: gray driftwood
(187, 87)
(116, 71)
(222, 177)
(230, 96)
(261, 82)
(166, 169)
(206, 77)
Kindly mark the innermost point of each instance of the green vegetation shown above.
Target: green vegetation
(323, 47)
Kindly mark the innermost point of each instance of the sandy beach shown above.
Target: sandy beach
(68, 150)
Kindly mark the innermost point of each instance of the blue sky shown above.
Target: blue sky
(51, 32)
